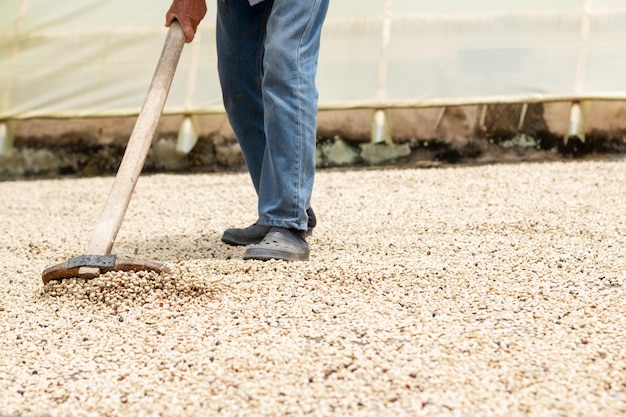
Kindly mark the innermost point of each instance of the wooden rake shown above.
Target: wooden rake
(99, 258)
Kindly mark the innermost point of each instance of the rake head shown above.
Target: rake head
(90, 266)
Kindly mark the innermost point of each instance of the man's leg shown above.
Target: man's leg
(240, 37)
(290, 111)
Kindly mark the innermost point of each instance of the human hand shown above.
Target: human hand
(189, 13)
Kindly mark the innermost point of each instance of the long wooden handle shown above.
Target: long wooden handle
(138, 145)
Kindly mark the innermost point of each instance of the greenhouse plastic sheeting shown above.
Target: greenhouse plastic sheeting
(77, 58)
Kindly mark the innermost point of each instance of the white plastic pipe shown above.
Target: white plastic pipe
(576, 128)
(6, 139)
(381, 130)
(187, 135)
(522, 117)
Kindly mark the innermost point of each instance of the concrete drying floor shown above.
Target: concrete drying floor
(489, 290)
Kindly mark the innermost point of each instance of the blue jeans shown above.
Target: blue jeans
(267, 63)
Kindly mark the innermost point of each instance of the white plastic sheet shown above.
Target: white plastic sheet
(96, 58)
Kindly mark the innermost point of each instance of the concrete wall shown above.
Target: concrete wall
(425, 136)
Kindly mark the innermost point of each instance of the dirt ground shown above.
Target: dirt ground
(491, 290)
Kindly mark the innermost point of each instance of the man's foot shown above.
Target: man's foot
(280, 243)
(256, 232)
(248, 236)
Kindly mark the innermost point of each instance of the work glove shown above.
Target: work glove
(189, 13)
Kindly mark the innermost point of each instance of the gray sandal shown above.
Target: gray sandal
(280, 243)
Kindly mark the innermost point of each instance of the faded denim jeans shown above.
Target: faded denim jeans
(267, 63)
